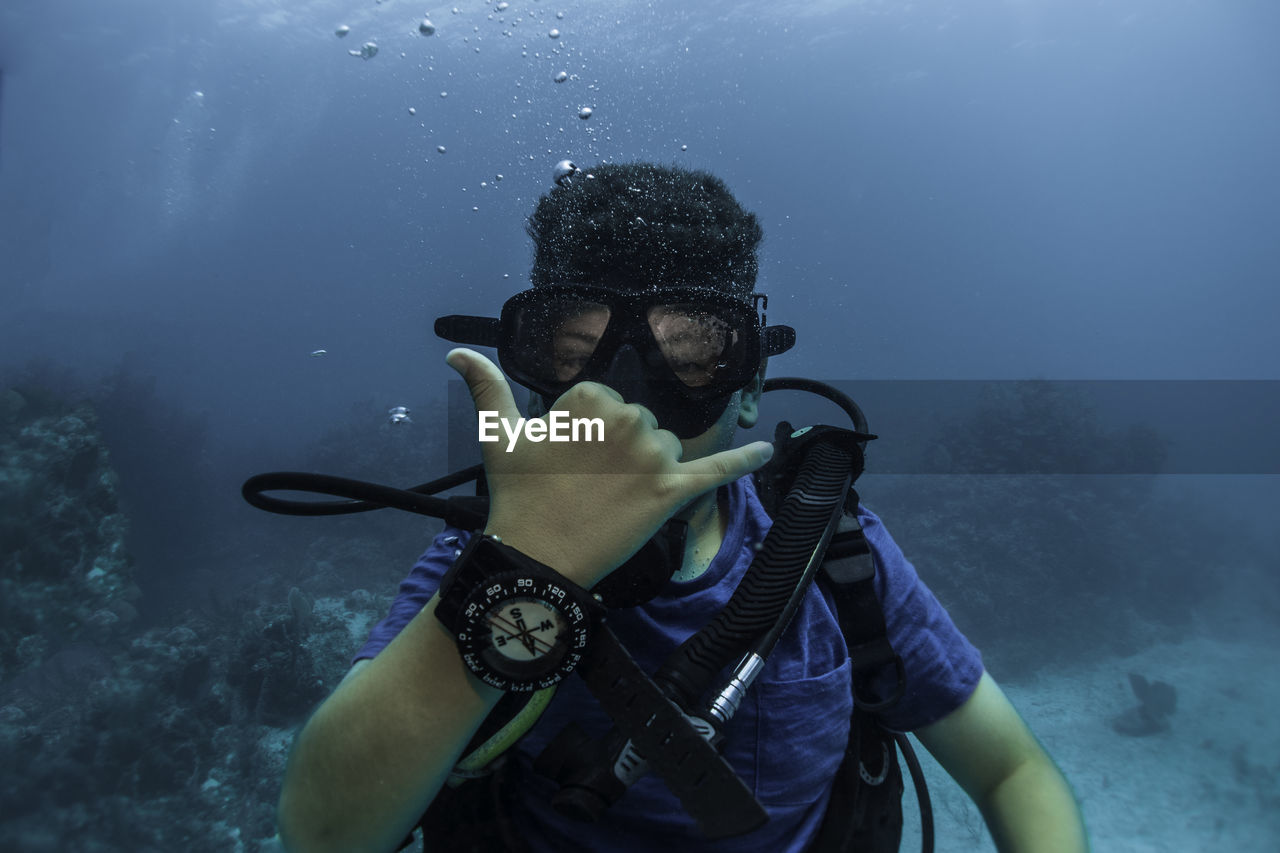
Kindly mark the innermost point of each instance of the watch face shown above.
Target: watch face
(522, 633)
(524, 628)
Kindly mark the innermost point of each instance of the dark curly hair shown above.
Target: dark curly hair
(630, 225)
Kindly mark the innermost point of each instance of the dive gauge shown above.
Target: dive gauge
(519, 625)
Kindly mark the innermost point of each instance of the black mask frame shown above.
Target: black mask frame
(628, 356)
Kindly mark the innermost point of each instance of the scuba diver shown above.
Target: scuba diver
(655, 640)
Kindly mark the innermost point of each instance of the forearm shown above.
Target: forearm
(375, 754)
(1034, 811)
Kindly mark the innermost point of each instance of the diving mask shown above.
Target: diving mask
(679, 351)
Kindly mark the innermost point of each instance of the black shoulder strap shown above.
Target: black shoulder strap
(849, 574)
(865, 810)
(864, 814)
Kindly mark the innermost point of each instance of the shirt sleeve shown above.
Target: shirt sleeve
(415, 590)
(942, 666)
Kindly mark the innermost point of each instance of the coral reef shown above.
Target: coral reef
(164, 481)
(177, 741)
(173, 737)
(66, 576)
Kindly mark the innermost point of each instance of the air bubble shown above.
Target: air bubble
(563, 172)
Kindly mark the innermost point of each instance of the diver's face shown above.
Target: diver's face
(718, 437)
(575, 341)
(686, 342)
(692, 335)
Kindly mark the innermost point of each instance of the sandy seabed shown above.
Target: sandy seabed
(1209, 783)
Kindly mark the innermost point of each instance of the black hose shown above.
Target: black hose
(822, 389)
(833, 459)
(922, 792)
(362, 496)
(802, 522)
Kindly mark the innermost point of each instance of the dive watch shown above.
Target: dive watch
(520, 625)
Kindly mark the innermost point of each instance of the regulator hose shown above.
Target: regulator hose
(757, 607)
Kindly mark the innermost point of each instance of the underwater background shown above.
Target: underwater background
(1037, 240)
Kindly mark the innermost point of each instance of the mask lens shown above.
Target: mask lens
(701, 345)
(555, 337)
(554, 340)
(575, 337)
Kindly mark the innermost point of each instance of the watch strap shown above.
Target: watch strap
(464, 575)
(687, 762)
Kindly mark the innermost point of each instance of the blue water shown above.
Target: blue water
(978, 190)
(206, 193)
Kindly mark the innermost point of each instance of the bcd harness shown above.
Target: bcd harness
(670, 723)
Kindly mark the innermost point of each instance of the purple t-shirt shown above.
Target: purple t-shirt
(788, 737)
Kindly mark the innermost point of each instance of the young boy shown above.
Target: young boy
(641, 318)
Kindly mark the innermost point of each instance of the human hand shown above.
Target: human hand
(584, 507)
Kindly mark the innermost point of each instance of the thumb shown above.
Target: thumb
(488, 387)
(713, 471)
